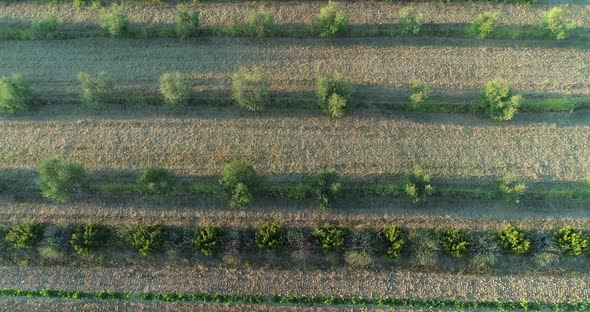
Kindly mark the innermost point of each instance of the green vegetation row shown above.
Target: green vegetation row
(331, 22)
(298, 300)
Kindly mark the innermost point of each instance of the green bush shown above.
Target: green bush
(174, 89)
(325, 185)
(331, 22)
(114, 20)
(395, 241)
(425, 248)
(483, 25)
(329, 238)
(145, 238)
(419, 95)
(240, 180)
(510, 189)
(46, 28)
(209, 240)
(336, 106)
(455, 242)
(514, 240)
(15, 94)
(156, 181)
(259, 23)
(241, 196)
(88, 237)
(410, 21)
(96, 91)
(334, 93)
(269, 237)
(26, 235)
(573, 242)
(59, 180)
(250, 89)
(416, 185)
(557, 24)
(186, 22)
(499, 101)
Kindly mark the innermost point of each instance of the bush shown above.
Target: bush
(326, 187)
(26, 235)
(573, 242)
(55, 242)
(240, 196)
(15, 94)
(331, 22)
(239, 180)
(417, 186)
(175, 90)
(514, 240)
(156, 181)
(557, 24)
(209, 240)
(483, 25)
(186, 22)
(336, 106)
(269, 237)
(114, 20)
(48, 27)
(145, 238)
(455, 242)
(259, 23)
(419, 94)
(250, 89)
(329, 238)
(96, 91)
(425, 248)
(511, 190)
(499, 101)
(358, 259)
(334, 93)
(88, 237)
(395, 241)
(410, 21)
(60, 181)
(485, 252)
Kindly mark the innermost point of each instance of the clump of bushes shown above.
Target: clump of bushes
(15, 94)
(26, 235)
(96, 91)
(329, 238)
(573, 242)
(59, 180)
(156, 181)
(145, 238)
(269, 237)
(331, 22)
(325, 185)
(454, 242)
(259, 23)
(499, 100)
(209, 240)
(416, 185)
(114, 20)
(514, 240)
(174, 89)
(88, 237)
(483, 25)
(410, 21)
(557, 24)
(395, 241)
(48, 27)
(186, 22)
(510, 189)
(250, 89)
(240, 180)
(334, 94)
(419, 94)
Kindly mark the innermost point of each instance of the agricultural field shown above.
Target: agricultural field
(295, 155)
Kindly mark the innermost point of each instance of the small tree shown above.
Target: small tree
(186, 21)
(325, 185)
(395, 241)
(329, 238)
(209, 240)
(114, 20)
(26, 235)
(419, 94)
(269, 237)
(514, 240)
(88, 237)
(156, 181)
(145, 238)
(416, 185)
(250, 89)
(239, 180)
(510, 189)
(259, 23)
(240, 196)
(60, 181)
(48, 27)
(455, 242)
(483, 25)
(15, 94)
(499, 100)
(572, 241)
(334, 93)
(331, 22)
(556, 24)
(174, 89)
(96, 91)
(410, 21)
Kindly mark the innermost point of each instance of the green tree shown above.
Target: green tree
(155, 180)
(259, 23)
(331, 22)
(483, 25)
(419, 94)
(114, 20)
(499, 100)
(326, 187)
(96, 91)
(209, 240)
(239, 180)
(556, 24)
(410, 21)
(329, 238)
(514, 240)
(510, 189)
(174, 89)
(250, 89)
(572, 241)
(88, 237)
(145, 238)
(59, 180)
(15, 94)
(186, 21)
(395, 241)
(334, 94)
(455, 242)
(26, 235)
(269, 237)
(416, 185)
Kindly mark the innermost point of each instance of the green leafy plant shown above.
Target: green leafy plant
(419, 95)
(239, 179)
(145, 238)
(269, 237)
(259, 23)
(15, 94)
(59, 180)
(416, 185)
(325, 185)
(410, 21)
(483, 25)
(250, 89)
(46, 28)
(556, 24)
(114, 20)
(174, 89)
(88, 237)
(334, 94)
(453, 241)
(499, 100)
(26, 235)
(240, 196)
(186, 21)
(395, 241)
(209, 240)
(155, 180)
(514, 240)
(573, 242)
(96, 91)
(329, 238)
(331, 22)
(510, 189)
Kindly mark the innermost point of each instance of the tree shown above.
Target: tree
(59, 180)
(114, 20)
(395, 241)
(416, 185)
(325, 185)
(483, 25)
(514, 240)
(499, 100)
(329, 238)
(26, 235)
(250, 90)
(259, 23)
(96, 91)
(174, 89)
(209, 240)
(455, 242)
(269, 237)
(556, 24)
(186, 21)
(572, 241)
(239, 180)
(331, 22)
(510, 189)
(410, 21)
(419, 94)
(334, 94)
(145, 238)
(88, 237)
(15, 94)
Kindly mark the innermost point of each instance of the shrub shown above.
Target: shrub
(250, 89)
(239, 180)
(156, 181)
(455, 242)
(416, 185)
(114, 20)
(483, 25)
(269, 237)
(329, 238)
(209, 240)
(331, 22)
(499, 101)
(186, 22)
(145, 238)
(48, 27)
(425, 248)
(557, 24)
(259, 23)
(240, 196)
(395, 241)
(514, 240)
(358, 259)
(572, 241)
(419, 94)
(174, 89)
(336, 106)
(15, 94)
(410, 21)
(485, 250)
(511, 190)
(25, 235)
(55, 242)
(88, 237)
(96, 91)
(326, 187)
(334, 93)
(59, 180)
